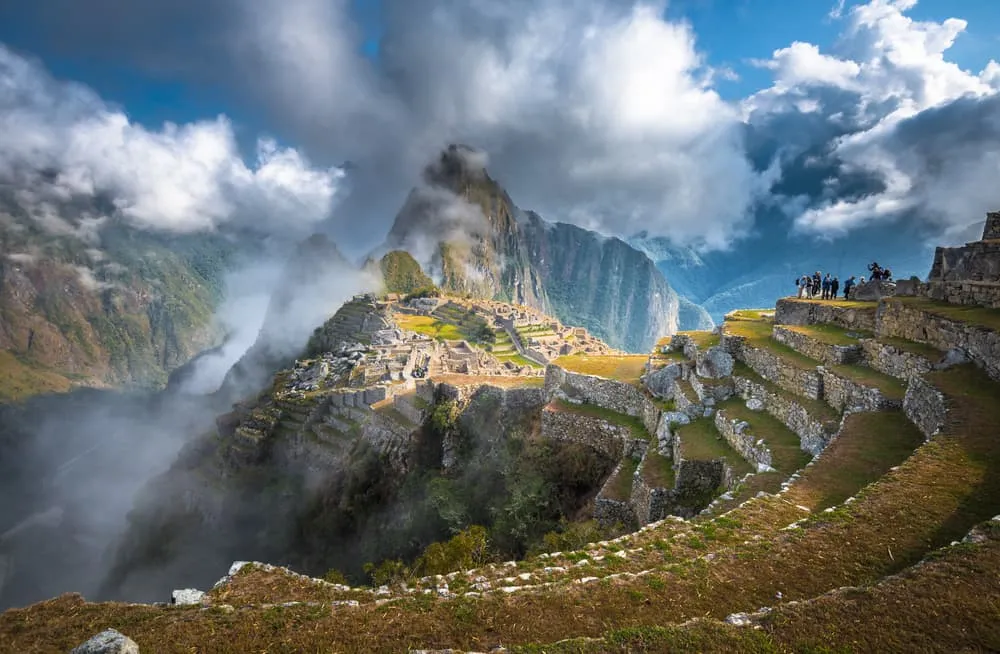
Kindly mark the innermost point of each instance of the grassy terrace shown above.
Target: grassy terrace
(627, 368)
(700, 441)
(920, 349)
(658, 470)
(751, 314)
(429, 326)
(844, 304)
(620, 487)
(634, 424)
(758, 334)
(703, 339)
(971, 315)
(817, 408)
(934, 496)
(502, 381)
(830, 334)
(889, 386)
(786, 451)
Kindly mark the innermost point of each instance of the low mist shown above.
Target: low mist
(72, 465)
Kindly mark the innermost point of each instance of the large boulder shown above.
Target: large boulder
(661, 382)
(873, 291)
(108, 641)
(714, 363)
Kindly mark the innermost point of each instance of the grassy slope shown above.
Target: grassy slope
(626, 368)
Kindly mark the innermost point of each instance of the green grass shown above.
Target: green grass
(890, 386)
(429, 326)
(844, 304)
(929, 352)
(816, 408)
(830, 334)
(634, 424)
(620, 488)
(702, 339)
(750, 314)
(786, 450)
(758, 334)
(658, 470)
(626, 368)
(20, 379)
(970, 315)
(700, 441)
(516, 359)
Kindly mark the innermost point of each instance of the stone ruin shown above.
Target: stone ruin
(969, 274)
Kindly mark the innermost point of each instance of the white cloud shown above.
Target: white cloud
(597, 113)
(181, 178)
(893, 70)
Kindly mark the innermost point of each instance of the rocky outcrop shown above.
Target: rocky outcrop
(714, 363)
(899, 319)
(925, 406)
(108, 641)
(814, 349)
(789, 311)
(661, 382)
(873, 291)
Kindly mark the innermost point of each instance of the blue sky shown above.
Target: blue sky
(729, 33)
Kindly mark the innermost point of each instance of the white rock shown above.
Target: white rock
(187, 597)
(108, 641)
(739, 619)
(755, 404)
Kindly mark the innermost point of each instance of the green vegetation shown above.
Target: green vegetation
(968, 314)
(402, 274)
(889, 386)
(626, 368)
(702, 339)
(700, 441)
(429, 326)
(634, 424)
(786, 451)
(658, 470)
(816, 408)
(758, 334)
(929, 352)
(20, 379)
(620, 487)
(831, 334)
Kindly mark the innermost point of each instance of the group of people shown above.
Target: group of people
(826, 288)
(818, 286)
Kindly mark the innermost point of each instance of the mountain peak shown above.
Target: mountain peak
(455, 165)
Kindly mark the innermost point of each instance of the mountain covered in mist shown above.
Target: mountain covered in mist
(95, 303)
(467, 231)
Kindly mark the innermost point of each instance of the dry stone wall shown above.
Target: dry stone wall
(808, 383)
(616, 396)
(789, 311)
(605, 437)
(814, 435)
(738, 434)
(925, 406)
(823, 352)
(609, 511)
(894, 361)
(899, 319)
(844, 394)
(650, 503)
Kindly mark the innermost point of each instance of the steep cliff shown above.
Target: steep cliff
(464, 227)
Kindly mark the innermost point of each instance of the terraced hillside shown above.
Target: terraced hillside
(856, 445)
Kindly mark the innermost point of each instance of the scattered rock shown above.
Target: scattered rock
(956, 356)
(755, 404)
(108, 641)
(739, 619)
(186, 597)
(715, 363)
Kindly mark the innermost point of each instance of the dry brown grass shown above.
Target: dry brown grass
(503, 381)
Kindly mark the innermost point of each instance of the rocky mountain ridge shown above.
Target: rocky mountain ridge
(464, 227)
